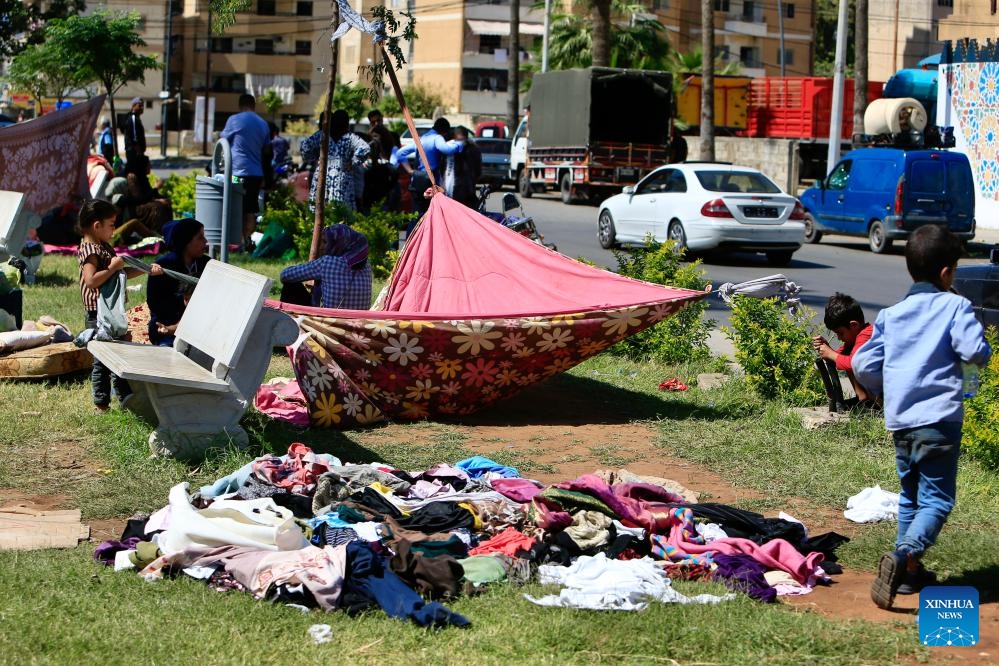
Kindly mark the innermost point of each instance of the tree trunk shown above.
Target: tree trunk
(114, 118)
(707, 80)
(601, 33)
(859, 68)
(324, 141)
(513, 74)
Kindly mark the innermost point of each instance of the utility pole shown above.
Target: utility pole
(513, 73)
(708, 80)
(860, 37)
(165, 94)
(780, 37)
(836, 113)
(208, 84)
(546, 37)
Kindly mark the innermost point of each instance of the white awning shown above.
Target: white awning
(503, 28)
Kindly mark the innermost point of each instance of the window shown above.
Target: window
(840, 176)
(266, 7)
(229, 83)
(263, 46)
(302, 86)
(303, 47)
(945, 3)
(303, 8)
(222, 45)
(721, 6)
(789, 10)
(787, 58)
(657, 182)
(750, 56)
(489, 43)
(748, 9)
(484, 80)
(660, 5)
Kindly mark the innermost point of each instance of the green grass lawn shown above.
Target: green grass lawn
(58, 606)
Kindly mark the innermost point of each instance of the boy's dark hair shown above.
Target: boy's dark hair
(93, 211)
(931, 249)
(374, 112)
(246, 101)
(442, 126)
(841, 310)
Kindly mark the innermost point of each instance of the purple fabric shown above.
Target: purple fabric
(105, 552)
(744, 574)
(342, 241)
(636, 504)
(519, 490)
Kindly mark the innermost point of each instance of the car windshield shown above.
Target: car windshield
(497, 146)
(746, 182)
(406, 134)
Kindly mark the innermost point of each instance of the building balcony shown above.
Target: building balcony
(753, 24)
(241, 63)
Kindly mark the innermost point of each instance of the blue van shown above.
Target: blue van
(886, 193)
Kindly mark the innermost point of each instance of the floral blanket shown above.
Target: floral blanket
(46, 158)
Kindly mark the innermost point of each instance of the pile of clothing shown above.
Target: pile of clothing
(307, 529)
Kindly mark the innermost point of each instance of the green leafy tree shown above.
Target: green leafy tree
(826, 18)
(22, 24)
(272, 102)
(350, 97)
(423, 101)
(40, 72)
(102, 46)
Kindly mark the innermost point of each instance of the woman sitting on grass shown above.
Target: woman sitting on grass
(341, 275)
(167, 296)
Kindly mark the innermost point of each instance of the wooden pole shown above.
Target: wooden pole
(324, 146)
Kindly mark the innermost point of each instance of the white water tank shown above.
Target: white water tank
(894, 116)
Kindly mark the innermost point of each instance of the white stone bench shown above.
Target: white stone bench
(199, 389)
(13, 224)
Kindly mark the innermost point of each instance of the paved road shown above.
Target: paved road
(840, 264)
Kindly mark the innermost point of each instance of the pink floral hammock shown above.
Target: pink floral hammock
(473, 314)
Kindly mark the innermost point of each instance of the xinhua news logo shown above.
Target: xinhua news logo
(948, 616)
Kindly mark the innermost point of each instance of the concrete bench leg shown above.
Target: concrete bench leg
(189, 422)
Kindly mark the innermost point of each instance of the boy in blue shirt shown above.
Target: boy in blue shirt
(914, 359)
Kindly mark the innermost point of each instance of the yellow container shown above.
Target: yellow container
(731, 100)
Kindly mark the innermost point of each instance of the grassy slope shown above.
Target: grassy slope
(58, 606)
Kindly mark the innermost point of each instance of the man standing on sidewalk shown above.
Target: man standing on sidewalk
(135, 133)
(249, 136)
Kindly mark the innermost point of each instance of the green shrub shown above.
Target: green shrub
(682, 337)
(180, 191)
(775, 350)
(981, 413)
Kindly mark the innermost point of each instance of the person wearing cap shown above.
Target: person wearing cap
(135, 133)
(437, 147)
(166, 296)
(341, 275)
(250, 139)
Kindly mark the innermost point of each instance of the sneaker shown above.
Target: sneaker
(891, 571)
(916, 580)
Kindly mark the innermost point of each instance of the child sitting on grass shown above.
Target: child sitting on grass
(845, 318)
(914, 359)
(98, 265)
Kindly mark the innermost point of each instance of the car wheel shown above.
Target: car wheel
(812, 235)
(877, 238)
(780, 257)
(565, 185)
(605, 230)
(524, 182)
(675, 232)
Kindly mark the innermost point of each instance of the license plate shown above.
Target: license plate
(760, 211)
(627, 172)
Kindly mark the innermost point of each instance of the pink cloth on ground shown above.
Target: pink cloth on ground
(774, 554)
(508, 542)
(121, 250)
(282, 400)
(635, 504)
(519, 490)
(298, 474)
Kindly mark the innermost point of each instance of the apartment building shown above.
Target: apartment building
(903, 33)
(758, 34)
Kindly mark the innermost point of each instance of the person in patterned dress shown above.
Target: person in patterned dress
(346, 152)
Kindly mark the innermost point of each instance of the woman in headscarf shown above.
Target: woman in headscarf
(347, 153)
(167, 297)
(341, 275)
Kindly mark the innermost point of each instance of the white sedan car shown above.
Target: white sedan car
(706, 206)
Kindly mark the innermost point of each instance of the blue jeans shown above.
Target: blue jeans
(926, 458)
(103, 382)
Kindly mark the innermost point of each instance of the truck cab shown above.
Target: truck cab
(518, 158)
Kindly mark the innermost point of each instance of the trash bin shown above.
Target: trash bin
(208, 195)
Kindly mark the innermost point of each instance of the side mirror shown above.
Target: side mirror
(628, 189)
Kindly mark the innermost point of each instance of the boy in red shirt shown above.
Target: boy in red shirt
(845, 318)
